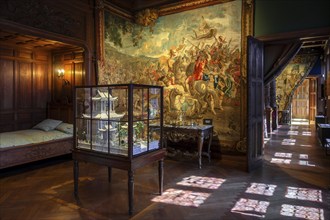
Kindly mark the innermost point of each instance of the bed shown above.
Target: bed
(49, 138)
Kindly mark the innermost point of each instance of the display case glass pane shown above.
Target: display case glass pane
(154, 103)
(154, 132)
(140, 137)
(83, 99)
(145, 103)
(138, 104)
(120, 144)
(99, 136)
(118, 103)
(83, 133)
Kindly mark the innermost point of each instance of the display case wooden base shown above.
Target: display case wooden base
(121, 163)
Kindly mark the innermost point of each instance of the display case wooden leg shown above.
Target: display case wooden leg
(161, 175)
(75, 176)
(130, 191)
(109, 174)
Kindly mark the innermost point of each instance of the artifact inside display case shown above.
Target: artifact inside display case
(114, 118)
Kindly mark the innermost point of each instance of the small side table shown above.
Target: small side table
(198, 132)
(323, 132)
(320, 119)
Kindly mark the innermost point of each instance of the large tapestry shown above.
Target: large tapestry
(195, 55)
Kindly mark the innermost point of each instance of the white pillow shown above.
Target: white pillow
(47, 124)
(65, 127)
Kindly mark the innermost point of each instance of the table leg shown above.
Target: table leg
(200, 147)
(109, 174)
(161, 176)
(165, 141)
(130, 191)
(75, 176)
(209, 145)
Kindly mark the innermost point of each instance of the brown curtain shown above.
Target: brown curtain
(277, 57)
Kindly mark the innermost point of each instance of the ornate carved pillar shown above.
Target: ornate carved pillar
(273, 104)
(99, 29)
(99, 39)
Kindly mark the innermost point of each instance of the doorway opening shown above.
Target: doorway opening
(303, 104)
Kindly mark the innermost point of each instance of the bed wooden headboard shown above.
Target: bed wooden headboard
(63, 112)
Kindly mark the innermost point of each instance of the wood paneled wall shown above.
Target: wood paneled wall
(29, 81)
(24, 87)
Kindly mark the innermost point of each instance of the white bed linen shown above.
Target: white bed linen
(30, 136)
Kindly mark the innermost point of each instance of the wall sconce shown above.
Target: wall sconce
(60, 73)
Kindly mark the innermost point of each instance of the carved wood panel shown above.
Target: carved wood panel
(40, 86)
(24, 87)
(7, 84)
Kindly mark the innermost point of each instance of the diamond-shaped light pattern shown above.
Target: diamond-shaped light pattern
(182, 197)
(251, 207)
(302, 212)
(280, 161)
(261, 189)
(281, 154)
(202, 182)
(304, 194)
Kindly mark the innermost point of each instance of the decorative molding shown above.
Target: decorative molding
(99, 4)
(99, 30)
(179, 7)
(166, 9)
(147, 17)
(118, 11)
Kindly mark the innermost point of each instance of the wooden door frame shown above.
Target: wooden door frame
(255, 103)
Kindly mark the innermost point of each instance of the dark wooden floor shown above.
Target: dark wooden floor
(293, 181)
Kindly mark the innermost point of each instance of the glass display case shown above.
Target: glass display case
(118, 119)
(119, 126)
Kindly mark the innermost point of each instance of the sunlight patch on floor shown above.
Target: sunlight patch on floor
(302, 212)
(307, 133)
(303, 156)
(281, 154)
(280, 161)
(266, 140)
(305, 163)
(202, 182)
(261, 189)
(305, 145)
(251, 207)
(190, 197)
(182, 197)
(292, 133)
(314, 195)
(288, 142)
(299, 121)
